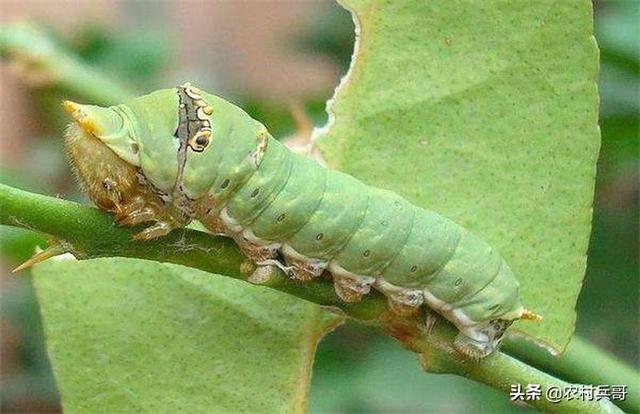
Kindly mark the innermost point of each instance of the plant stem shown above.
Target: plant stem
(40, 61)
(500, 371)
(87, 233)
(581, 361)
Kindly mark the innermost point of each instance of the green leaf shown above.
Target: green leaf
(127, 334)
(485, 111)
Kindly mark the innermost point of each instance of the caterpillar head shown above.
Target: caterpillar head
(181, 141)
(109, 180)
(115, 160)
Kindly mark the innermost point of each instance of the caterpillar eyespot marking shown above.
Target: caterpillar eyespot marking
(247, 184)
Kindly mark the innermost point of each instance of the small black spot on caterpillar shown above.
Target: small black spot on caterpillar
(202, 140)
(366, 253)
(225, 184)
(413, 268)
(458, 282)
(255, 192)
(280, 217)
(319, 236)
(135, 148)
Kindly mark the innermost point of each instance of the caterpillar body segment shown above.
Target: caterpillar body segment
(181, 154)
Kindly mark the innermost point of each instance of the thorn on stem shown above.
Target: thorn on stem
(53, 250)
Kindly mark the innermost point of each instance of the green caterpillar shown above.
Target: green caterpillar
(180, 154)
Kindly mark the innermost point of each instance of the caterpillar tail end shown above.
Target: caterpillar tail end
(528, 315)
(41, 256)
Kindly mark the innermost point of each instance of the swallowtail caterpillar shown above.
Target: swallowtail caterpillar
(180, 154)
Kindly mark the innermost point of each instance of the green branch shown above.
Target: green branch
(39, 61)
(581, 362)
(88, 233)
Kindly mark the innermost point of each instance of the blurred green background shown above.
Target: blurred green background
(266, 56)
